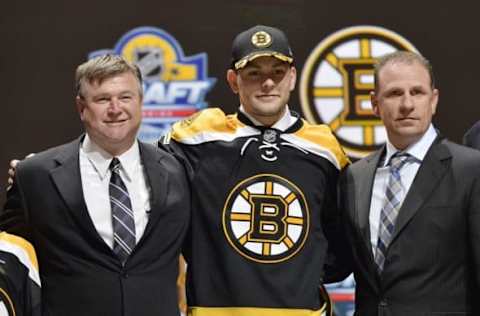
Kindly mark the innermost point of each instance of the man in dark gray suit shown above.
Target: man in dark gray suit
(106, 213)
(413, 207)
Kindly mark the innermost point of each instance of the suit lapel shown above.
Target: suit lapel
(157, 179)
(432, 170)
(66, 177)
(363, 194)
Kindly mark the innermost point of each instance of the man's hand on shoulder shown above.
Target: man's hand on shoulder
(12, 168)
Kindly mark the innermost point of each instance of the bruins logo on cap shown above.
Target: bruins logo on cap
(261, 39)
(337, 79)
(266, 218)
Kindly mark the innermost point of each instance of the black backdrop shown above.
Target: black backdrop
(43, 41)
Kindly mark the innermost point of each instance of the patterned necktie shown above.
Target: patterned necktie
(394, 196)
(122, 214)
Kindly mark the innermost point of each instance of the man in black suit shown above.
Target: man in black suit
(413, 207)
(106, 213)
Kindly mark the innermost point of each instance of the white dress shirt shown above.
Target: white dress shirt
(407, 173)
(95, 175)
(282, 124)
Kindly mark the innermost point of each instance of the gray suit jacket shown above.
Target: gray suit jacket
(433, 262)
(80, 273)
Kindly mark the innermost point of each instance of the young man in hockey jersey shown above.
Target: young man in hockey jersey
(264, 193)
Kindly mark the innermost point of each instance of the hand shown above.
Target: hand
(11, 170)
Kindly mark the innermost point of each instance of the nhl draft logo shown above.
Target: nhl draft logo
(266, 218)
(337, 79)
(174, 85)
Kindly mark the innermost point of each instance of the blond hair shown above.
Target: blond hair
(103, 67)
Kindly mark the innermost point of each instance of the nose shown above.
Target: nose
(114, 105)
(407, 103)
(268, 83)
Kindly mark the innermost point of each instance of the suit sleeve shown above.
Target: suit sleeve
(167, 144)
(186, 157)
(339, 257)
(473, 221)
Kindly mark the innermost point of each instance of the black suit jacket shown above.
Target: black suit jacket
(80, 273)
(433, 262)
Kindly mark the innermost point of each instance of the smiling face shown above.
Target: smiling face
(405, 101)
(111, 111)
(264, 87)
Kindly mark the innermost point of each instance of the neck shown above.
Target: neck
(267, 120)
(113, 149)
(402, 143)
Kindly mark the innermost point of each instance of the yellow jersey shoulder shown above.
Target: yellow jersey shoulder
(322, 136)
(24, 252)
(211, 121)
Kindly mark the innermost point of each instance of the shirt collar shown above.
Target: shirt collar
(282, 124)
(100, 159)
(418, 149)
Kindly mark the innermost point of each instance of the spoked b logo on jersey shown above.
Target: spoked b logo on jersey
(266, 218)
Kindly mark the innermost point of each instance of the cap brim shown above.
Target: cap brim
(244, 61)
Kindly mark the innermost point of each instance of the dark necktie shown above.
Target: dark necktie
(122, 214)
(394, 195)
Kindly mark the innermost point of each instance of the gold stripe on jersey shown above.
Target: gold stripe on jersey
(9, 301)
(256, 311)
(24, 251)
(210, 125)
(318, 140)
(240, 217)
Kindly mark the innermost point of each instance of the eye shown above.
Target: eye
(253, 73)
(102, 99)
(394, 93)
(417, 91)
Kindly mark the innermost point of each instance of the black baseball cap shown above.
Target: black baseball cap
(260, 41)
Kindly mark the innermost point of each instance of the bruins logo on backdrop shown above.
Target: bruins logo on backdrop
(266, 218)
(337, 79)
(174, 85)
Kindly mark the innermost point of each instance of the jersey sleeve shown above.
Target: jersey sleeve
(20, 286)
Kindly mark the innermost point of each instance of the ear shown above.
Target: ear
(232, 77)
(293, 77)
(374, 101)
(434, 101)
(80, 105)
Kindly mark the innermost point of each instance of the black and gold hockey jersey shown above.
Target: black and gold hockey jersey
(264, 212)
(19, 278)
